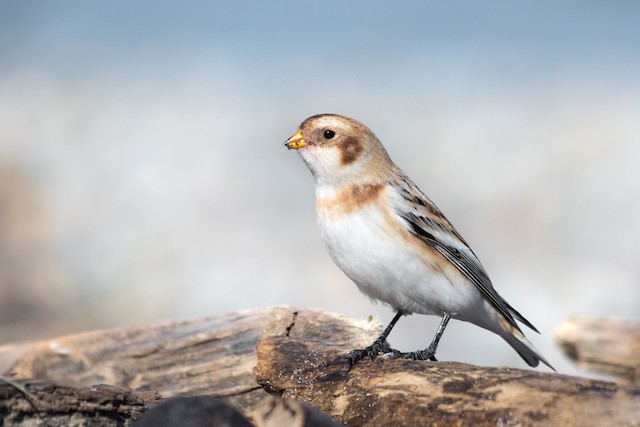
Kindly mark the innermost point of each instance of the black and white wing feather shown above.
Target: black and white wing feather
(427, 223)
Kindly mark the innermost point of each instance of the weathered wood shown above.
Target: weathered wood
(47, 404)
(305, 365)
(301, 356)
(603, 345)
(212, 356)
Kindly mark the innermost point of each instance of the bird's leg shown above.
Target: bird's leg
(428, 353)
(436, 339)
(379, 345)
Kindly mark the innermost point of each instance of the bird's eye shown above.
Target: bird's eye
(328, 134)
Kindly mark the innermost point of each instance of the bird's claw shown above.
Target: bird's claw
(426, 354)
(371, 352)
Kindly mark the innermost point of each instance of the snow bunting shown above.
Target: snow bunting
(393, 242)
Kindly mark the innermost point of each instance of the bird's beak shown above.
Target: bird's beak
(295, 142)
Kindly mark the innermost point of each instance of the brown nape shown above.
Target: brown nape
(351, 149)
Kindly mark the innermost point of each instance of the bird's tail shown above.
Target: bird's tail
(525, 349)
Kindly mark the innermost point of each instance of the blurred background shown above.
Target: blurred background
(143, 176)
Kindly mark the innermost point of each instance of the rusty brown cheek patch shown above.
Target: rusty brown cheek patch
(350, 150)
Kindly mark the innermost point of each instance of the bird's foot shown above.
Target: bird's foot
(378, 347)
(426, 354)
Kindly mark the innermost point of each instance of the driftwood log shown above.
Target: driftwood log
(300, 356)
(37, 403)
(603, 345)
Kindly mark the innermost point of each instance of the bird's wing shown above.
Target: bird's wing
(427, 223)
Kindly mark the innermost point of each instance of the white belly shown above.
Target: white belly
(387, 269)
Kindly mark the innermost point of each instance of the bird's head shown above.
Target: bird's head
(340, 150)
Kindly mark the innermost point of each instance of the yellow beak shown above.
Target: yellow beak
(295, 142)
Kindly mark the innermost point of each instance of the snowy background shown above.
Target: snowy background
(143, 177)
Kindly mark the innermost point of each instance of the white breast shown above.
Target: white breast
(370, 249)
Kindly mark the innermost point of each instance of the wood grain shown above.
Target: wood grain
(298, 356)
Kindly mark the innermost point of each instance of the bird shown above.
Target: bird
(394, 243)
